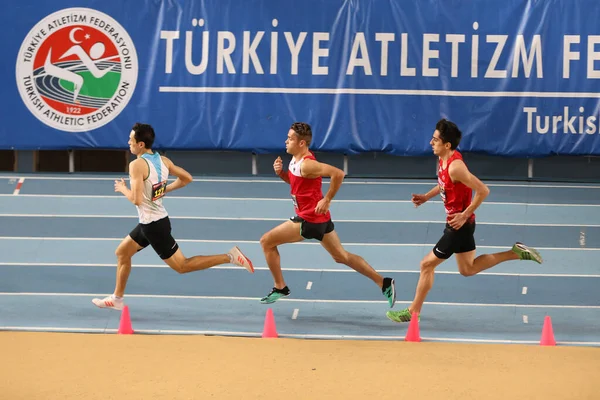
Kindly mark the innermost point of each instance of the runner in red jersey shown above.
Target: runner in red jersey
(312, 219)
(455, 186)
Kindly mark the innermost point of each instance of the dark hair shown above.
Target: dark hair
(144, 133)
(303, 131)
(449, 133)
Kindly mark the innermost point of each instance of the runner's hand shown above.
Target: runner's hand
(120, 186)
(322, 206)
(456, 221)
(418, 199)
(278, 165)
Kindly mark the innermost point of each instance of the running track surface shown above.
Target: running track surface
(58, 234)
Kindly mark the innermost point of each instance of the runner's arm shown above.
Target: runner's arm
(183, 177)
(284, 176)
(136, 180)
(278, 168)
(314, 169)
(433, 192)
(459, 172)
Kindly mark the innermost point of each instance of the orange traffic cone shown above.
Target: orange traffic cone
(412, 334)
(125, 324)
(269, 330)
(547, 333)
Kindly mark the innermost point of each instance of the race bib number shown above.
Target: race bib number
(158, 190)
(295, 202)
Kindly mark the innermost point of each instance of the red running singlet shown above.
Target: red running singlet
(456, 196)
(306, 193)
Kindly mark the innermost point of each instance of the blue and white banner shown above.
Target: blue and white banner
(520, 78)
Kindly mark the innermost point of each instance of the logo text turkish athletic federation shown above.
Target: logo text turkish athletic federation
(77, 69)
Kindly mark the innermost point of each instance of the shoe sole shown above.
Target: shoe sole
(271, 302)
(393, 293)
(535, 255)
(393, 320)
(399, 322)
(251, 267)
(108, 308)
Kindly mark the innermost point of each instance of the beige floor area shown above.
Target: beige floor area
(48, 366)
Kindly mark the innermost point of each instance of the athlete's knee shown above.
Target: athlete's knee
(178, 264)
(427, 265)
(266, 242)
(180, 267)
(122, 254)
(341, 257)
(466, 270)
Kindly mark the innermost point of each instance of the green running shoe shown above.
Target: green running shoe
(400, 316)
(389, 291)
(527, 253)
(275, 295)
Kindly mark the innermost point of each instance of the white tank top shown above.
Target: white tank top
(152, 208)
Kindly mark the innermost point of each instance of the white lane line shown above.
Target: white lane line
(93, 239)
(377, 221)
(309, 284)
(349, 181)
(220, 298)
(265, 199)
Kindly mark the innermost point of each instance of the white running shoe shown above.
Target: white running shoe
(240, 259)
(110, 302)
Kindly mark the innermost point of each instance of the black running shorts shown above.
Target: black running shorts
(309, 230)
(455, 241)
(158, 235)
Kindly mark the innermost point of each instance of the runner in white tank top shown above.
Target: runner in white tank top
(151, 209)
(149, 184)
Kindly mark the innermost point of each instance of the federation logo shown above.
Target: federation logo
(77, 70)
